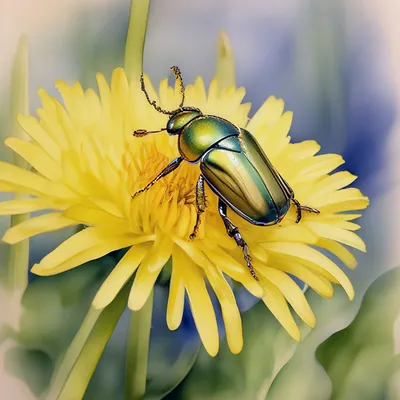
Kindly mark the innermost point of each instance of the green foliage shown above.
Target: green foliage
(172, 354)
(53, 308)
(359, 359)
(357, 362)
(58, 348)
(247, 375)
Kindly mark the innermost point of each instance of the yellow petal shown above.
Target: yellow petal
(305, 149)
(104, 91)
(333, 182)
(235, 270)
(316, 281)
(340, 235)
(51, 122)
(230, 311)
(34, 226)
(149, 270)
(339, 251)
(213, 93)
(338, 220)
(32, 127)
(307, 253)
(48, 102)
(349, 194)
(31, 182)
(36, 157)
(319, 166)
(268, 114)
(200, 90)
(193, 250)
(86, 239)
(295, 233)
(318, 270)
(350, 204)
(26, 205)
(292, 292)
(176, 298)
(258, 251)
(83, 256)
(73, 98)
(56, 121)
(73, 174)
(215, 239)
(120, 275)
(277, 304)
(200, 302)
(182, 226)
(106, 205)
(225, 72)
(93, 216)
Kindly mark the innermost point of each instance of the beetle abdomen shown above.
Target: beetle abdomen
(278, 187)
(199, 135)
(241, 174)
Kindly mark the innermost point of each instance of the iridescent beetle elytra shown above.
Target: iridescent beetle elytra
(233, 165)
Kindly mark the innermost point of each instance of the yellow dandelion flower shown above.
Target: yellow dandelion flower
(87, 165)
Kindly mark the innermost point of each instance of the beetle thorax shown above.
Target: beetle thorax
(201, 134)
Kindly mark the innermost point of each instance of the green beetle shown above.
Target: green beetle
(234, 166)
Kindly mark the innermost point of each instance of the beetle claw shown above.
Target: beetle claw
(300, 208)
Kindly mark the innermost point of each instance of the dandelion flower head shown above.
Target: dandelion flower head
(86, 165)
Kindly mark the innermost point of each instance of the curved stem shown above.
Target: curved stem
(73, 374)
(136, 38)
(138, 350)
(18, 257)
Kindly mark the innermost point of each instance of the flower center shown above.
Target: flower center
(170, 204)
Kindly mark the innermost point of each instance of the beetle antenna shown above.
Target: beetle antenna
(152, 103)
(178, 77)
(143, 132)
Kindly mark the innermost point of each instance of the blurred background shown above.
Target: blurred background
(336, 63)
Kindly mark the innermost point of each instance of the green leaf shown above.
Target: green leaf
(358, 359)
(393, 383)
(247, 375)
(273, 366)
(53, 309)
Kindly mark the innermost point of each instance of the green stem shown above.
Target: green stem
(18, 257)
(73, 375)
(136, 38)
(225, 71)
(138, 349)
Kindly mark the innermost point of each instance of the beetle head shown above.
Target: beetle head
(181, 118)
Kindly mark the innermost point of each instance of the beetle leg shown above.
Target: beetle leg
(172, 166)
(200, 204)
(300, 208)
(234, 233)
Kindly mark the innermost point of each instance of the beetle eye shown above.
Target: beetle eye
(171, 128)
